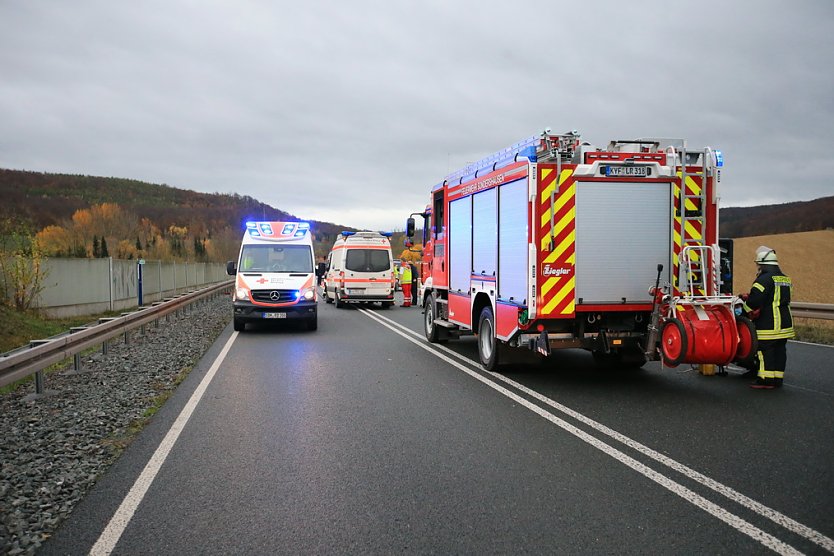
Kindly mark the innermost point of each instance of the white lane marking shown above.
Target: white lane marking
(714, 485)
(810, 344)
(113, 532)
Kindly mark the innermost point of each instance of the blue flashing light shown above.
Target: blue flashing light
(252, 228)
(525, 148)
(719, 159)
(386, 234)
(300, 233)
(347, 234)
(297, 295)
(288, 229)
(303, 225)
(265, 228)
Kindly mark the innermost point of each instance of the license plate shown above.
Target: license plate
(275, 315)
(356, 291)
(627, 171)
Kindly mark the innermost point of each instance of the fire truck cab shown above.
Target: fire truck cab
(555, 243)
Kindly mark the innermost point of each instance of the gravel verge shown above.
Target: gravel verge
(55, 447)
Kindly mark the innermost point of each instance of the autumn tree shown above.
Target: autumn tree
(21, 265)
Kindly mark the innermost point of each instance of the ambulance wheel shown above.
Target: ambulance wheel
(673, 343)
(326, 297)
(337, 302)
(313, 324)
(487, 342)
(431, 329)
(387, 304)
(238, 325)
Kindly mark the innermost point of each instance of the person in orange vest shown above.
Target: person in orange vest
(405, 282)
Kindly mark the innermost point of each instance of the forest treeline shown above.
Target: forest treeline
(88, 216)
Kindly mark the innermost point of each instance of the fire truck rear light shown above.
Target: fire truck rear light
(540, 327)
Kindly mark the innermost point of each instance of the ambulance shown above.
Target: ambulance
(360, 269)
(274, 275)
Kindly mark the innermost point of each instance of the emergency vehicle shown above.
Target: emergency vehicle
(554, 243)
(274, 275)
(360, 269)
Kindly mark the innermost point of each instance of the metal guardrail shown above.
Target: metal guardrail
(813, 310)
(23, 362)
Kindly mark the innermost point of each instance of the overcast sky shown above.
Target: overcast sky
(349, 112)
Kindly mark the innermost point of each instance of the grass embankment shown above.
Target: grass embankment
(18, 329)
(808, 258)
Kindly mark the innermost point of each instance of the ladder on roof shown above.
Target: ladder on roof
(696, 258)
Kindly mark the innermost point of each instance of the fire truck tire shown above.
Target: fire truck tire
(238, 325)
(432, 331)
(673, 342)
(488, 345)
(748, 343)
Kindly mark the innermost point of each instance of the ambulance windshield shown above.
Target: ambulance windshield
(276, 258)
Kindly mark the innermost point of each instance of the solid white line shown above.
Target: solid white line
(724, 490)
(113, 532)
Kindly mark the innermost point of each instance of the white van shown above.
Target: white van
(360, 269)
(274, 275)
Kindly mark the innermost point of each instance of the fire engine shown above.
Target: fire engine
(555, 243)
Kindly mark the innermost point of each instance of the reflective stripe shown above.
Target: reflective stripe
(779, 374)
(777, 313)
(776, 334)
(758, 286)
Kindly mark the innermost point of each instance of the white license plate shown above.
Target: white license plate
(275, 315)
(356, 291)
(627, 171)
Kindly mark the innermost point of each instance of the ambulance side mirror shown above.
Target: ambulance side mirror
(231, 268)
(409, 227)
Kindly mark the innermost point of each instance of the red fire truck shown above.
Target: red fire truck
(554, 243)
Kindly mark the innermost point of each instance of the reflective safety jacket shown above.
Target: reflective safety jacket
(405, 274)
(771, 295)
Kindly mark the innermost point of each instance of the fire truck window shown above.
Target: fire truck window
(437, 213)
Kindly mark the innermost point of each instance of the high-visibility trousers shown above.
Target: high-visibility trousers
(406, 294)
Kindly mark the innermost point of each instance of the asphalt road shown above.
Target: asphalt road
(363, 438)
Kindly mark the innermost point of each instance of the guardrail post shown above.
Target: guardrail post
(39, 381)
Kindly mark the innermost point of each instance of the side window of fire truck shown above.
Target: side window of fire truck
(437, 213)
(427, 229)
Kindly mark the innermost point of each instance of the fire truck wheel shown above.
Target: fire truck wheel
(238, 325)
(432, 331)
(487, 342)
(673, 342)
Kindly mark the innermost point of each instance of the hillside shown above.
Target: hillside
(43, 200)
(807, 257)
(804, 216)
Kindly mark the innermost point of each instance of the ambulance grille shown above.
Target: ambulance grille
(273, 296)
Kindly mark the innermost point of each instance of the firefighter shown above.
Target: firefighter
(768, 305)
(405, 282)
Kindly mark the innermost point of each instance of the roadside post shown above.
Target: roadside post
(140, 264)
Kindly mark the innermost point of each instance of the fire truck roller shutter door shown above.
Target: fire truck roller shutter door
(512, 241)
(484, 232)
(623, 231)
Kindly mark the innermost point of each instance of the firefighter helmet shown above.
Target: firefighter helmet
(766, 255)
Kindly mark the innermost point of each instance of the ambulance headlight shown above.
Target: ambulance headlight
(307, 294)
(241, 294)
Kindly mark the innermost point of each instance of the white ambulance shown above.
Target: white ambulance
(360, 269)
(274, 275)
